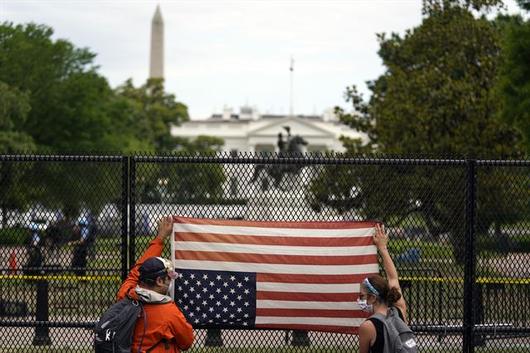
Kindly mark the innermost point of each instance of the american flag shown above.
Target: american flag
(282, 275)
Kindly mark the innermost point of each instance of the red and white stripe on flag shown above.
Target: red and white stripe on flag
(307, 273)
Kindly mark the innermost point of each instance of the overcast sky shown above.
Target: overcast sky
(233, 53)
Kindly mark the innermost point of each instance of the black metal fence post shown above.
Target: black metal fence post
(124, 217)
(469, 269)
(300, 338)
(213, 338)
(42, 335)
(132, 211)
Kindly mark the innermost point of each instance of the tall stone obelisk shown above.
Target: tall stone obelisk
(156, 65)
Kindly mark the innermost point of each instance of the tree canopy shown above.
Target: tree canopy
(150, 112)
(514, 75)
(53, 100)
(436, 98)
(52, 92)
(65, 94)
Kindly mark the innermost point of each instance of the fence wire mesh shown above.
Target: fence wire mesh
(72, 226)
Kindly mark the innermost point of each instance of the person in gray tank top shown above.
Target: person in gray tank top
(377, 295)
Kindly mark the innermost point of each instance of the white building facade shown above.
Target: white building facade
(248, 131)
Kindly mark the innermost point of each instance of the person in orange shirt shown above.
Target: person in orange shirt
(163, 328)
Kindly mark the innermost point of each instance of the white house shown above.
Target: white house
(248, 131)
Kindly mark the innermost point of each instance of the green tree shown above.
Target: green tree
(62, 108)
(436, 98)
(54, 101)
(437, 95)
(198, 183)
(149, 114)
(14, 107)
(514, 78)
(66, 95)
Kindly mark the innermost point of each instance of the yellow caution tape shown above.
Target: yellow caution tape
(481, 280)
(61, 278)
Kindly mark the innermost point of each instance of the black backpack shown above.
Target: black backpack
(114, 331)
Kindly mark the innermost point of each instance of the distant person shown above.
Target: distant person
(34, 249)
(143, 228)
(60, 233)
(378, 295)
(79, 259)
(92, 233)
(163, 328)
(282, 145)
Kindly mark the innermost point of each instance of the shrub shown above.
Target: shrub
(504, 244)
(13, 236)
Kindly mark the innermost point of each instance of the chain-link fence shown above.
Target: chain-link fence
(71, 227)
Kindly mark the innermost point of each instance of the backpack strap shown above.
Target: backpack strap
(144, 314)
(379, 317)
(392, 311)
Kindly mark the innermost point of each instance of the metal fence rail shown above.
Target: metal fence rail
(460, 237)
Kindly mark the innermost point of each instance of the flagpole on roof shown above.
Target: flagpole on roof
(291, 70)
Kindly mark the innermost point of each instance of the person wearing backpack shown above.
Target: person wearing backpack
(386, 331)
(161, 326)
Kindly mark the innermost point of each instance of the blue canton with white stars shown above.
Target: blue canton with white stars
(216, 298)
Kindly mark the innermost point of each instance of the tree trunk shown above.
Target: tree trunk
(458, 241)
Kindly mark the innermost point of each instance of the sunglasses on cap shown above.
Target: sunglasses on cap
(168, 271)
(168, 268)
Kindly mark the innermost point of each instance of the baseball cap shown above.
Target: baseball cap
(155, 267)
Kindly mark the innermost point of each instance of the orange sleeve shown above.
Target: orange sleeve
(181, 330)
(154, 249)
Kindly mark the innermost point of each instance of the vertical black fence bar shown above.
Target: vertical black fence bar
(469, 270)
(42, 333)
(124, 228)
(132, 210)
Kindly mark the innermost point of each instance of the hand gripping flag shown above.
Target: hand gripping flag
(278, 275)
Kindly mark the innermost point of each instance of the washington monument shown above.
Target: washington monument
(156, 65)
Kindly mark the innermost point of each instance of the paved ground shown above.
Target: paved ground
(82, 339)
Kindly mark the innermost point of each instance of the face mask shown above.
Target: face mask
(364, 306)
